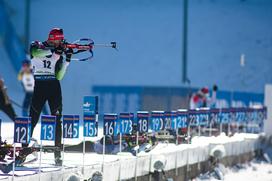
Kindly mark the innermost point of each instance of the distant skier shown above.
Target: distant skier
(49, 66)
(202, 98)
(5, 103)
(27, 78)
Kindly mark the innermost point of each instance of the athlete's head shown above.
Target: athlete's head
(204, 92)
(55, 36)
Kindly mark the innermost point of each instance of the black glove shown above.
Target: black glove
(69, 52)
(35, 44)
(59, 50)
(215, 88)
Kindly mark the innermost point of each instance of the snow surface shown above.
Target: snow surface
(168, 152)
(255, 172)
(252, 171)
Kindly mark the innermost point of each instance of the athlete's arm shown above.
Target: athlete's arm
(62, 70)
(37, 49)
(63, 66)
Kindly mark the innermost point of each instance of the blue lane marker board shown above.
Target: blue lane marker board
(224, 116)
(110, 124)
(167, 120)
(182, 119)
(214, 116)
(126, 123)
(48, 127)
(68, 126)
(157, 120)
(142, 121)
(203, 117)
(240, 115)
(174, 123)
(90, 126)
(22, 128)
(193, 118)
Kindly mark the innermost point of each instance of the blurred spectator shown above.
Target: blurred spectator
(202, 98)
(5, 103)
(27, 78)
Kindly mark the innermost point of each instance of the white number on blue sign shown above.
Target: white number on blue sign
(142, 125)
(47, 132)
(203, 119)
(142, 122)
(125, 126)
(109, 128)
(193, 120)
(213, 117)
(157, 123)
(224, 117)
(68, 130)
(181, 121)
(90, 126)
(21, 134)
(167, 122)
(111, 124)
(174, 122)
(48, 127)
(22, 128)
(76, 126)
(90, 129)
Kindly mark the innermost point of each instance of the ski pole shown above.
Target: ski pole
(40, 162)
(137, 144)
(104, 140)
(14, 160)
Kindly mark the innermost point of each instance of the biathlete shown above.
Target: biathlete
(49, 67)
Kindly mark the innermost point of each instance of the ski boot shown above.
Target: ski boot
(58, 159)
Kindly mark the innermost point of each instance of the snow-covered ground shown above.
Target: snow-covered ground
(170, 154)
(252, 171)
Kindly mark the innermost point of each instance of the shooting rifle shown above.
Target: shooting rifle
(82, 45)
